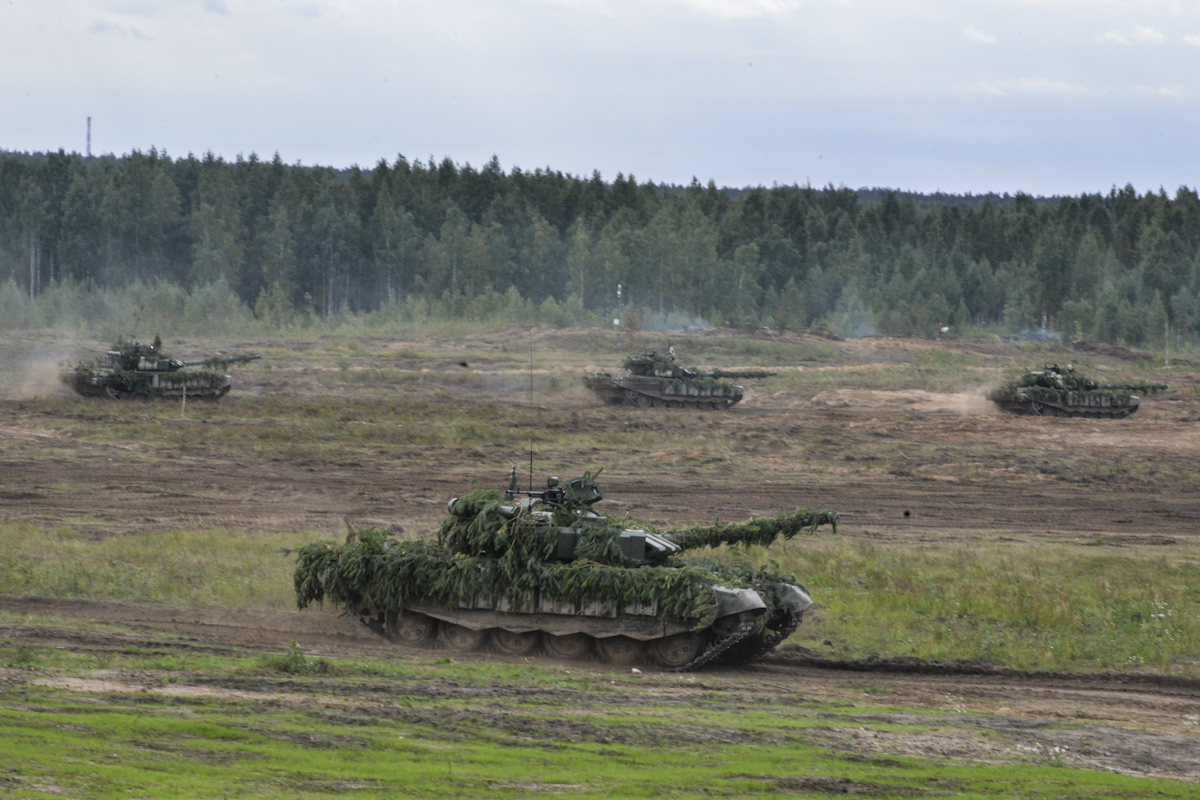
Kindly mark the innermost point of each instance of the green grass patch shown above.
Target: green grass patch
(216, 568)
(210, 726)
(1063, 608)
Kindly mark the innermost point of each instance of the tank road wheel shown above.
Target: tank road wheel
(411, 628)
(112, 393)
(514, 644)
(568, 647)
(619, 650)
(644, 401)
(676, 651)
(460, 639)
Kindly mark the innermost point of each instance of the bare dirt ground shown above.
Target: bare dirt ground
(913, 465)
(123, 487)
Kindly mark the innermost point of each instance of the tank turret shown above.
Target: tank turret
(1055, 391)
(652, 379)
(132, 369)
(525, 570)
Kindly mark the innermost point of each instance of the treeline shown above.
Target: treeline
(290, 239)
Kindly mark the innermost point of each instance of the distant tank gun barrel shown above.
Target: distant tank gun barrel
(218, 361)
(739, 373)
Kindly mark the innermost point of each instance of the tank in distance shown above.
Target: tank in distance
(1055, 391)
(131, 369)
(653, 380)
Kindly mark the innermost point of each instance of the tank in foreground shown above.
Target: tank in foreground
(528, 571)
(1063, 392)
(131, 369)
(652, 380)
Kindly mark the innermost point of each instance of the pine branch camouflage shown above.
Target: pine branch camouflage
(482, 551)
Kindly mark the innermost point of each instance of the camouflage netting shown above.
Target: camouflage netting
(652, 364)
(760, 530)
(649, 364)
(481, 552)
(703, 385)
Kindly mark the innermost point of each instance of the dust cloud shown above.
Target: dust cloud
(33, 376)
(962, 403)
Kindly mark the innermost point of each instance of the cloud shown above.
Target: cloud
(978, 36)
(1139, 34)
(740, 9)
(1192, 39)
(1029, 86)
(102, 27)
(217, 7)
(1163, 91)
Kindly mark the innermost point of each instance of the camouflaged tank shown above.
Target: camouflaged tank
(1055, 392)
(652, 380)
(131, 369)
(525, 570)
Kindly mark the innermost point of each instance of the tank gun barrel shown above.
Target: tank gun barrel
(759, 530)
(740, 373)
(217, 361)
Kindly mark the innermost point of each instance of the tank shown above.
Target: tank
(1063, 392)
(131, 369)
(530, 571)
(652, 380)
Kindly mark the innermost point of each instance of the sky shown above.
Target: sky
(1041, 96)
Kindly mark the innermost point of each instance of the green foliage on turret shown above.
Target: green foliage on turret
(650, 364)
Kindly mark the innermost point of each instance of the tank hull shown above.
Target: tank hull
(638, 632)
(148, 385)
(645, 392)
(1086, 405)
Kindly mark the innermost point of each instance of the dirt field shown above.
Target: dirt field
(930, 461)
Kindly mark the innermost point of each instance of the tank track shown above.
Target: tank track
(374, 621)
(1037, 408)
(1051, 410)
(642, 400)
(715, 650)
(761, 646)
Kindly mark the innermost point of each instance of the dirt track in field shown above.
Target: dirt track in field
(1139, 725)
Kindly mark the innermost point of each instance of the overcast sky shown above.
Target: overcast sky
(1043, 96)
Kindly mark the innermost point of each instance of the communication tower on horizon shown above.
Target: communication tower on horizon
(89, 138)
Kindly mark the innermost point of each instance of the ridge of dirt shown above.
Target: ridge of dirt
(797, 655)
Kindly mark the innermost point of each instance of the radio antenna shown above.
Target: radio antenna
(531, 408)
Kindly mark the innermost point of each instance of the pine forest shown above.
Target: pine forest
(280, 242)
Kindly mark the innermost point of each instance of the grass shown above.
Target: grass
(240, 725)
(217, 568)
(1105, 609)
